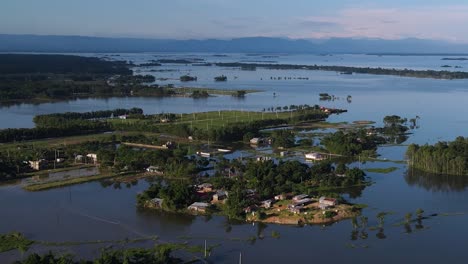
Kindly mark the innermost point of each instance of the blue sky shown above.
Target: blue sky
(200, 19)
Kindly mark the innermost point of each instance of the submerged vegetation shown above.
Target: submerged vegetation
(14, 241)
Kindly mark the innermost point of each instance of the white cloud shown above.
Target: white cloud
(447, 23)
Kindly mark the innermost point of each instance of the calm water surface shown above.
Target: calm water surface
(91, 211)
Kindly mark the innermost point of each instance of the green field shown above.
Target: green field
(217, 119)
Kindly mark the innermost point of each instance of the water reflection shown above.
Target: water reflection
(436, 182)
(167, 219)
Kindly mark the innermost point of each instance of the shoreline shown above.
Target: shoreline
(180, 92)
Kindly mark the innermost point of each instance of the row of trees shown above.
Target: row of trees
(51, 120)
(347, 69)
(71, 128)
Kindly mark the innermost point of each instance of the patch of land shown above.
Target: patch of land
(382, 170)
(66, 182)
(311, 214)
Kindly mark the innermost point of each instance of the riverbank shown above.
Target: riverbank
(66, 182)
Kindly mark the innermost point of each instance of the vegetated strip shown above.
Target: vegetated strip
(381, 170)
(212, 90)
(347, 69)
(62, 183)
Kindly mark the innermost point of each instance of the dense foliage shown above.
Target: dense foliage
(176, 194)
(441, 158)
(283, 138)
(71, 128)
(59, 64)
(350, 143)
(160, 254)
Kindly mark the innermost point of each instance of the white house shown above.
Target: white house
(325, 202)
(92, 157)
(199, 207)
(314, 156)
(155, 169)
(37, 164)
(267, 203)
(256, 140)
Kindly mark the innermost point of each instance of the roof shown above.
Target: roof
(200, 205)
(303, 201)
(221, 193)
(300, 196)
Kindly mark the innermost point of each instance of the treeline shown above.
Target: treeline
(65, 124)
(51, 120)
(43, 86)
(133, 79)
(236, 131)
(441, 158)
(71, 128)
(59, 64)
(159, 254)
(347, 69)
(45, 77)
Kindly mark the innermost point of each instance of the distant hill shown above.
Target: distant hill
(36, 43)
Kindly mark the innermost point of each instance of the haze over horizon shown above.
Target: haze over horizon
(222, 19)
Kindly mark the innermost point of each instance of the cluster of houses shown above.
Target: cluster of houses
(300, 201)
(42, 164)
(207, 190)
(88, 158)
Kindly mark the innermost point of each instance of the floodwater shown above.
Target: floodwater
(94, 211)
